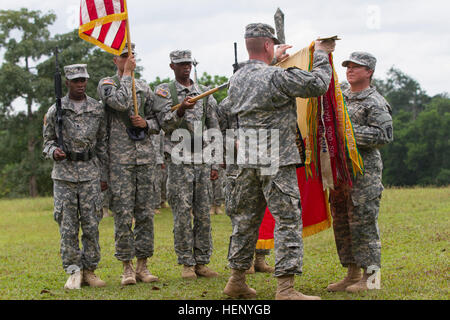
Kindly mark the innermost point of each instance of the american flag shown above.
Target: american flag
(104, 24)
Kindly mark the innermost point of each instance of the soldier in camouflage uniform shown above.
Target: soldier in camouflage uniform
(227, 121)
(188, 184)
(355, 211)
(263, 97)
(77, 171)
(132, 170)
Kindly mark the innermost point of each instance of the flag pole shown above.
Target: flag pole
(136, 111)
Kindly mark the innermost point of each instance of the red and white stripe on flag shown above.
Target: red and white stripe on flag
(103, 23)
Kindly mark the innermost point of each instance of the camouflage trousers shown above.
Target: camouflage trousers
(164, 181)
(247, 194)
(217, 189)
(133, 196)
(189, 188)
(356, 229)
(156, 198)
(78, 205)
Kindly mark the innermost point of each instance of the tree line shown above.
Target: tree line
(419, 154)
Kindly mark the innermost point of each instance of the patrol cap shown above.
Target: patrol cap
(361, 58)
(75, 71)
(179, 56)
(257, 30)
(125, 49)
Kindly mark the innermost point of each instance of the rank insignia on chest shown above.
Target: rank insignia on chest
(161, 92)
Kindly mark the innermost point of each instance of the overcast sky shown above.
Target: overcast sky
(411, 35)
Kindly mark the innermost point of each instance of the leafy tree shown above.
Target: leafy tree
(404, 93)
(24, 37)
(419, 152)
(428, 147)
(212, 82)
(158, 81)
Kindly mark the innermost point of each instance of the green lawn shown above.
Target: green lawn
(415, 234)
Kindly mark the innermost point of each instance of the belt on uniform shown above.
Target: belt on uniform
(80, 156)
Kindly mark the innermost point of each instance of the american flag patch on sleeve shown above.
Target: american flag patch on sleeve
(161, 92)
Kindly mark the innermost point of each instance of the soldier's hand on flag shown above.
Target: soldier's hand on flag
(280, 53)
(325, 45)
(59, 155)
(214, 175)
(138, 121)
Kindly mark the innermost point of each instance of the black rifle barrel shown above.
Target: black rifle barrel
(236, 64)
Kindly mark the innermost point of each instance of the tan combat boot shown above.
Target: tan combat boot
(142, 273)
(261, 265)
(188, 272)
(74, 281)
(203, 271)
(92, 280)
(236, 286)
(353, 276)
(362, 285)
(286, 291)
(128, 276)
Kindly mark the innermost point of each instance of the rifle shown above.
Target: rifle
(236, 64)
(58, 94)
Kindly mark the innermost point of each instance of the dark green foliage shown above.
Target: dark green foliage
(419, 154)
(213, 82)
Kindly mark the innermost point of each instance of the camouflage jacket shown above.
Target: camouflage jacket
(170, 121)
(263, 97)
(371, 117)
(118, 97)
(228, 121)
(84, 129)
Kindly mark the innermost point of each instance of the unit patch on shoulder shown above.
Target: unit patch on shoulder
(109, 81)
(161, 92)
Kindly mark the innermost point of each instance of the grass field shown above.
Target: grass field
(415, 233)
